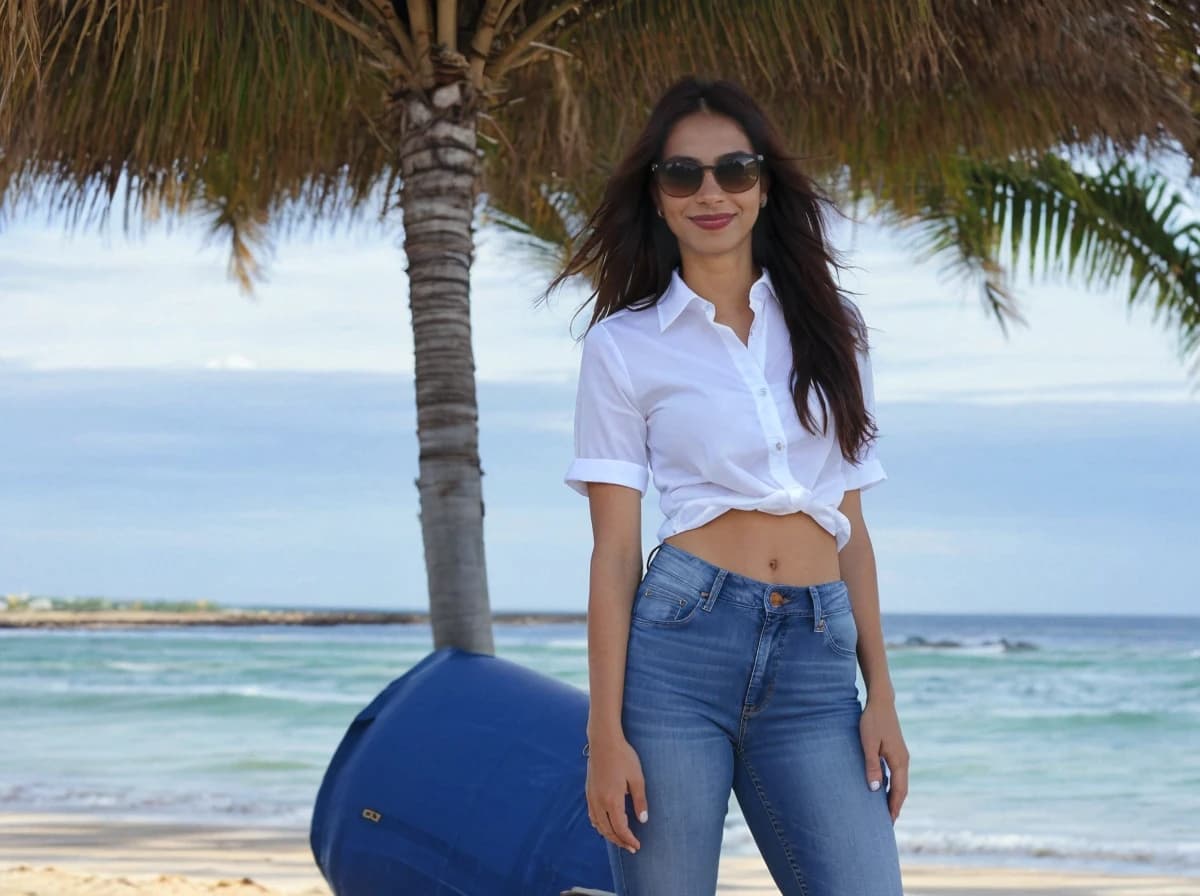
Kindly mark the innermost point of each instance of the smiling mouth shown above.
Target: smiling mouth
(712, 222)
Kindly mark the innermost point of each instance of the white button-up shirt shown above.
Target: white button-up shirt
(668, 389)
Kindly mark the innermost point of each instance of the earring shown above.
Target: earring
(660, 214)
(763, 203)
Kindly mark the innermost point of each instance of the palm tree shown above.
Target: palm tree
(274, 113)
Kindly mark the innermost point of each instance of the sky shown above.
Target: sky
(166, 437)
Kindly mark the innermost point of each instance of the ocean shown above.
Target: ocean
(1069, 742)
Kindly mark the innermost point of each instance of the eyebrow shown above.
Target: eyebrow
(731, 152)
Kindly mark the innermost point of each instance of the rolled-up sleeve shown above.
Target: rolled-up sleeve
(610, 430)
(870, 471)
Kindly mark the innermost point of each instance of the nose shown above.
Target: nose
(709, 185)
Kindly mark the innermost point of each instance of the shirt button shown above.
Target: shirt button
(762, 391)
(779, 446)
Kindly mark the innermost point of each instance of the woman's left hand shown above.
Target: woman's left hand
(879, 728)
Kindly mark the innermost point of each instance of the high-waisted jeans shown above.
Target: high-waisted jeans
(735, 683)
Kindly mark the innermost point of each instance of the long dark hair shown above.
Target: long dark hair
(629, 253)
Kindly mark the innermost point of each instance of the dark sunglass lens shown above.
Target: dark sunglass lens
(679, 178)
(737, 174)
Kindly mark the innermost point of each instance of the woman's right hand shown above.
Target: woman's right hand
(613, 770)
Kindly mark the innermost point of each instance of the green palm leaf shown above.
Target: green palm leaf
(1099, 228)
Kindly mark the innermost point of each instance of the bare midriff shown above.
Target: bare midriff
(783, 550)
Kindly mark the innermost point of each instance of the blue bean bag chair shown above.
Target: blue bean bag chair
(463, 777)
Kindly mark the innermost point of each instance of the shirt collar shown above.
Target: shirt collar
(679, 295)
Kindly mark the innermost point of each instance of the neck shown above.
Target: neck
(724, 280)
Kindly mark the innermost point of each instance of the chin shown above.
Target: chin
(727, 243)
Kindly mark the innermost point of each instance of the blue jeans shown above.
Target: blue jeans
(735, 683)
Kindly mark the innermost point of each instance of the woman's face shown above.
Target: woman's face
(705, 137)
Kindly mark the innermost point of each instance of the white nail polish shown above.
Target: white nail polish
(644, 817)
(875, 785)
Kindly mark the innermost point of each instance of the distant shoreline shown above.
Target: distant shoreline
(54, 619)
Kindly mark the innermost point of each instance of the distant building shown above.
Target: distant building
(40, 604)
(14, 601)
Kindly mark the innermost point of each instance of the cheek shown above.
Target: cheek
(674, 210)
(677, 221)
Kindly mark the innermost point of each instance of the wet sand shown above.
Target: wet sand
(85, 855)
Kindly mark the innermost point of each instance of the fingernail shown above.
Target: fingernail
(875, 785)
(644, 817)
(631, 850)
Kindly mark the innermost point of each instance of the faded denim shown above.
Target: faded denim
(735, 683)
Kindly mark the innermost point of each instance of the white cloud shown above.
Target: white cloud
(340, 303)
(231, 362)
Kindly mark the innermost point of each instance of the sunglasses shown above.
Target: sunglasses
(735, 172)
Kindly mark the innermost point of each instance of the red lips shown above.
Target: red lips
(712, 222)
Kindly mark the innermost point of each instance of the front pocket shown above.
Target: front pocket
(661, 600)
(841, 632)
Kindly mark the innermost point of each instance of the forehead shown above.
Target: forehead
(705, 136)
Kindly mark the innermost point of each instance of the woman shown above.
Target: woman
(718, 344)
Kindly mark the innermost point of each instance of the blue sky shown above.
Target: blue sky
(166, 437)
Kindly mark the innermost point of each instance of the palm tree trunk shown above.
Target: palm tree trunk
(439, 167)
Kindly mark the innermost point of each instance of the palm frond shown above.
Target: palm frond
(130, 101)
(891, 90)
(546, 237)
(1096, 228)
(150, 90)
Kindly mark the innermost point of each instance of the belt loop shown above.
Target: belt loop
(650, 556)
(715, 589)
(818, 622)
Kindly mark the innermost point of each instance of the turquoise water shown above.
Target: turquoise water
(1062, 741)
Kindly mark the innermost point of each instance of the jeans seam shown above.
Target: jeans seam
(832, 643)
(702, 599)
(658, 570)
(624, 889)
(787, 849)
(667, 623)
(837, 648)
(749, 685)
(777, 652)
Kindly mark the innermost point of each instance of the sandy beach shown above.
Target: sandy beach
(83, 855)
